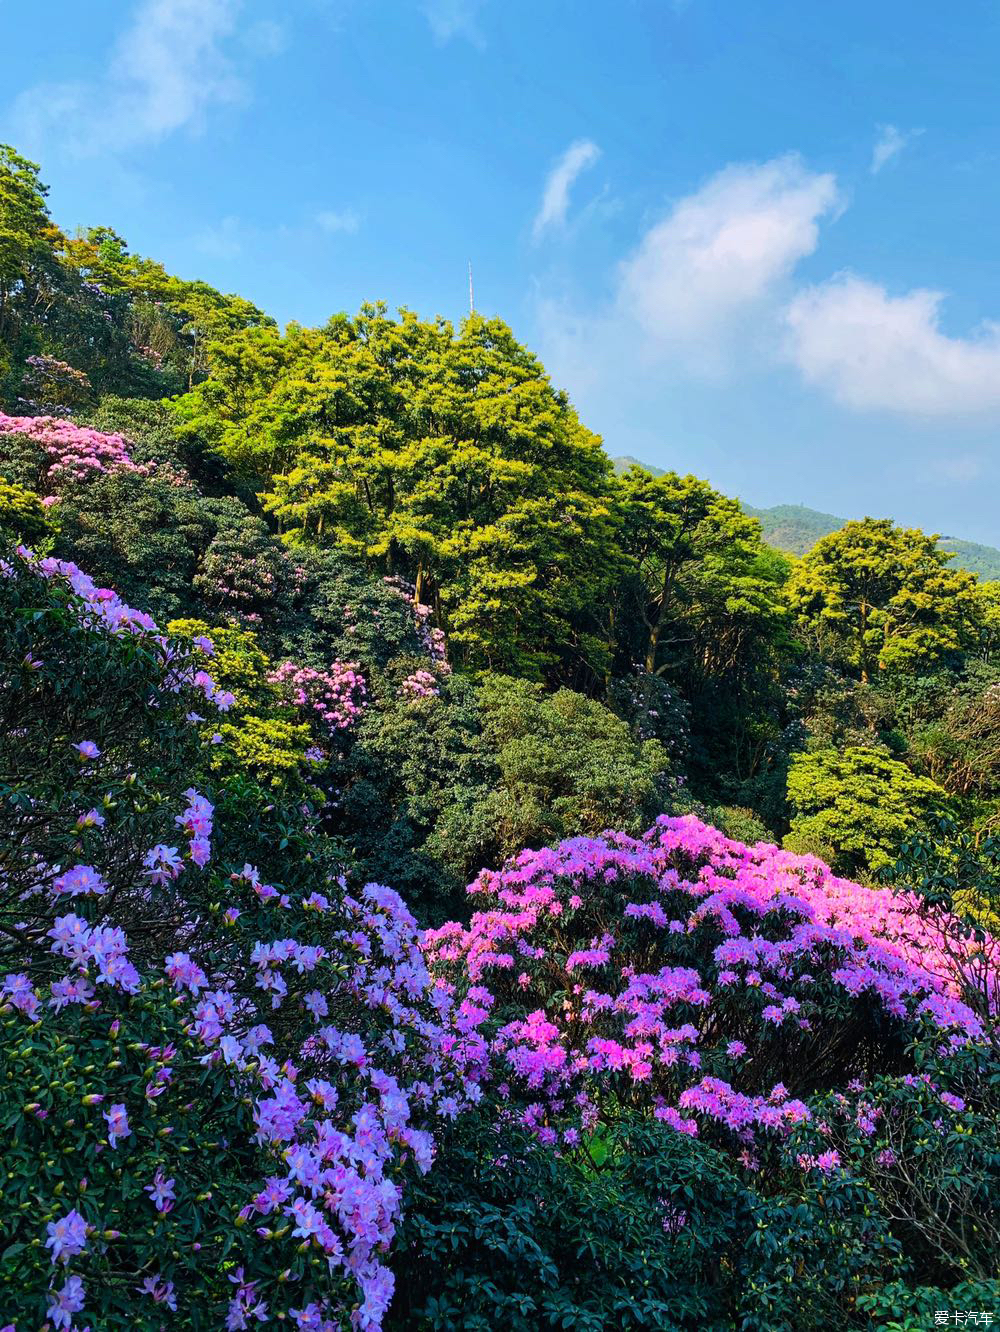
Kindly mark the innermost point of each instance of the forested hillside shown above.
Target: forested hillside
(450, 881)
(795, 529)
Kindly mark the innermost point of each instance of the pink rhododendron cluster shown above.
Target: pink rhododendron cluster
(73, 452)
(421, 684)
(688, 973)
(432, 639)
(337, 696)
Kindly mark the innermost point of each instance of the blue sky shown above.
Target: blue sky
(754, 239)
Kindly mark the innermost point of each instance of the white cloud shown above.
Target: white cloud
(724, 251)
(703, 291)
(333, 220)
(223, 241)
(890, 142)
(555, 197)
(871, 350)
(169, 67)
(455, 18)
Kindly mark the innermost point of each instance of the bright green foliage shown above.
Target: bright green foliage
(883, 598)
(269, 747)
(855, 808)
(702, 571)
(448, 459)
(238, 663)
(171, 323)
(22, 514)
(260, 735)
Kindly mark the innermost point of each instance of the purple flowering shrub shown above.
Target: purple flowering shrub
(210, 1046)
(715, 985)
(349, 614)
(774, 1065)
(245, 573)
(52, 387)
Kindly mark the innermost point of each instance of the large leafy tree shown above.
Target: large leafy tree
(702, 578)
(29, 265)
(448, 459)
(882, 598)
(857, 807)
(701, 605)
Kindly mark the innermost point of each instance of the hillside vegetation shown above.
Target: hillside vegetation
(794, 528)
(448, 879)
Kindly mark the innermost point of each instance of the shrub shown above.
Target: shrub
(275, 1050)
(714, 984)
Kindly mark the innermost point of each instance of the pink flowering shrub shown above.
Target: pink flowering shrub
(420, 684)
(715, 984)
(220, 1065)
(69, 452)
(335, 697)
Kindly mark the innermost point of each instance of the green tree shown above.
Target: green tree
(449, 460)
(883, 598)
(702, 577)
(701, 604)
(440, 786)
(855, 808)
(29, 265)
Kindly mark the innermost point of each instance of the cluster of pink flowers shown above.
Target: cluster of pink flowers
(684, 969)
(338, 696)
(432, 640)
(74, 452)
(421, 684)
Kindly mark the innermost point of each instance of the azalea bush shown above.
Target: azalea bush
(714, 983)
(796, 1046)
(217, 1081)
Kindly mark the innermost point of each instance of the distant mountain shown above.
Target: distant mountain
(796, 529)
(793, 527)
(626, 461)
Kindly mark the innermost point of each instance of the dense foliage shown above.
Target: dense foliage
(710, 1040)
